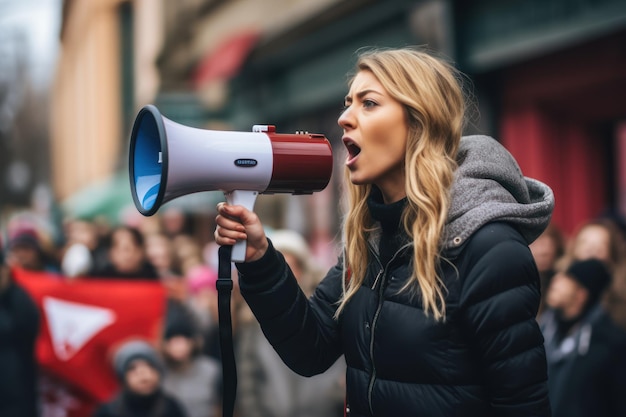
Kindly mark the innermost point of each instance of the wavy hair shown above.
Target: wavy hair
(430, 92)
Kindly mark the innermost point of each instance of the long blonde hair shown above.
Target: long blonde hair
(430, 91)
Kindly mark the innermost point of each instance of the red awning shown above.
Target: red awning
(226, 60)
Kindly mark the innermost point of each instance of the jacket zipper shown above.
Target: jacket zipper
(379, 307)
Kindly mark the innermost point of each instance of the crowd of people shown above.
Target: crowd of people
(583, 317)
(181, 375)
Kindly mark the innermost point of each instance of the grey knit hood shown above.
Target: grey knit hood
(489, 186)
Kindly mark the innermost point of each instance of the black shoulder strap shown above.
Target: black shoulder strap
(229, 370)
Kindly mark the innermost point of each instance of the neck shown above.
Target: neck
(390, 198)
(390, 217)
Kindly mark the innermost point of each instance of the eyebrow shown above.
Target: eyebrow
(361, 94)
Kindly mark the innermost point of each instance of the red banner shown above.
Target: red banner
(83, 322)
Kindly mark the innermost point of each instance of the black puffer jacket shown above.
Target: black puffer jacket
(486, 359)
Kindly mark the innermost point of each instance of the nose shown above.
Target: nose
(346, 121)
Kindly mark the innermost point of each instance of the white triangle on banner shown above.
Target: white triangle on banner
(72, 324)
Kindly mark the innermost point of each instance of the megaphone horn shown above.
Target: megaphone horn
(168, 160)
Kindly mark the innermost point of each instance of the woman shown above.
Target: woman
(433, 303)
(127, 256)
(600, 239)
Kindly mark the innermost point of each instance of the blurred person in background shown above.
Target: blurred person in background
(175, 222)
(190, 377)
(202, 299)
(140, 372)
(615, 299)
(24, 250)
(200, 280)
(84, 250)
(76, 261)
(603, 239)
(267, 387)
(188, 254)
(161, 254)
(127, 256)
(188, 251)
(434, 300)
(598, 239)
(586, 352)
(298, 254)
(19, 327)
(547, 250)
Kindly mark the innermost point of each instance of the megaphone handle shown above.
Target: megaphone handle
(246, 199)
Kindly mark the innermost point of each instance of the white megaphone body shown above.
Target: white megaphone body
(168, 160)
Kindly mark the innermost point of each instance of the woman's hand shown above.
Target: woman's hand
(236, 223)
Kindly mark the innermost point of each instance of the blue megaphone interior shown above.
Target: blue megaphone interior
(148, 160)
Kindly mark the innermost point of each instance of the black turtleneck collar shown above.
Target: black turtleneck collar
(389, 217)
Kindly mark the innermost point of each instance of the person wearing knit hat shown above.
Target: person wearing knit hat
(584, 347)
(193, 378)
(592, 275)
(576, 290)
(24, 250)
(135, 350)
(140, 371)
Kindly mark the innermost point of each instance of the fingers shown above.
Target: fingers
(228, 227)
(237, 223)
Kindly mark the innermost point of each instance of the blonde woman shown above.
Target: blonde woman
(433, 303)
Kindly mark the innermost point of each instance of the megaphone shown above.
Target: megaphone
(168, 160)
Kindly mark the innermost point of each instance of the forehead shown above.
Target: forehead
(123, 236)
(365, 80)
(594, 230)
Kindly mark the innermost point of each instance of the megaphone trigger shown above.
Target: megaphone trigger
(247, 200)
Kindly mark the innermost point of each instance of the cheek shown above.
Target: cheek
(603, 252)
(398, 135)
(389, 142)
(134, 380)
(179, 348)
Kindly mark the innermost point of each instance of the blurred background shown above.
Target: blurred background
(548, 78)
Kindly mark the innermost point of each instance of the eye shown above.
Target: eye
(367, 103)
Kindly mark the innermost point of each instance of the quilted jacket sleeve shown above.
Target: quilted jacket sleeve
(499, 299)
(303, 332)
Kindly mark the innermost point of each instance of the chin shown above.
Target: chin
(357, 180)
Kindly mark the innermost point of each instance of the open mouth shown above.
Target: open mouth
(353, 149)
